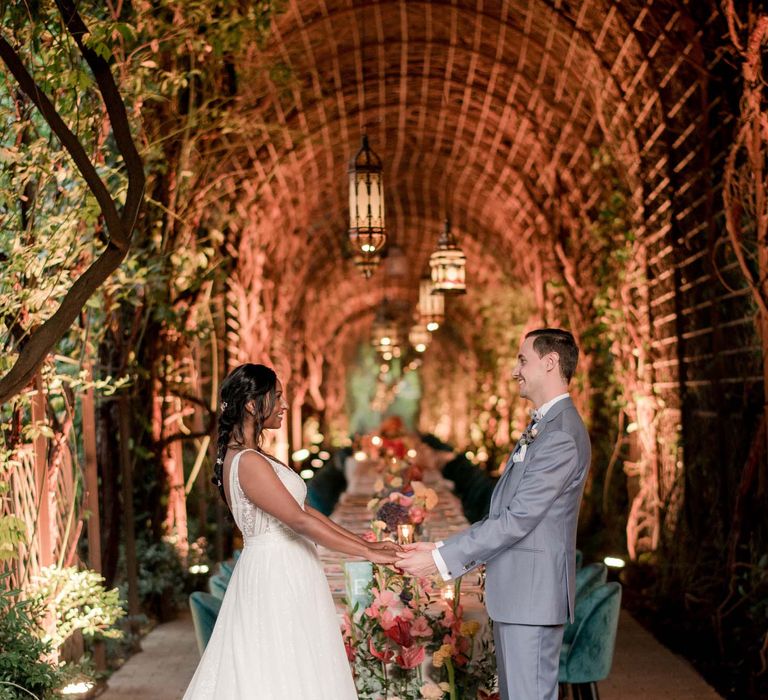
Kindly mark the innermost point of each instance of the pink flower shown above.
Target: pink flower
(421, 628)
(400, 632)
(385, 656)
(369, 537)
(417, 515)
(384, 598)
(410, 657)
(387, 620)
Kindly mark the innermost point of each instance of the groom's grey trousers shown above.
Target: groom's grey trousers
(527, 660)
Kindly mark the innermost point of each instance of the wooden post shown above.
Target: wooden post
(129, 534)
(296, 425)
(92, 497)
(42, 481)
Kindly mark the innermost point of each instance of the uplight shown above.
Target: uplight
(77, 688)
(300, 455)
(306, 473)
(614, 562)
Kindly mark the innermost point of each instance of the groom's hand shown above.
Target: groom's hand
(418, 561)
(419, 547)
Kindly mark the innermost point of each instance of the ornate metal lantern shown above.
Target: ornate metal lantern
(367, 263)
(419, 337)
(431, 306)
(366, 202)
(448, 264)
(384, 332)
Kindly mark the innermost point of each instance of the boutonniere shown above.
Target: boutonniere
(529, 436)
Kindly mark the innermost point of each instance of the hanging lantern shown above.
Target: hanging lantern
(384, 336)
(431, 306)
(448, 264)
(366, 263)
(419, 337)
(366, 202)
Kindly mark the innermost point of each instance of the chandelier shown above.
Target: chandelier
(431, 306)
(384, 332)
(448, 264)
(366, 202)
(366, 263)
(419, 337)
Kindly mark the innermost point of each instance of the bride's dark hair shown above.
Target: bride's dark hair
(249, 382)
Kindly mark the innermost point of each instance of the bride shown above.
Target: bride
(277, 636)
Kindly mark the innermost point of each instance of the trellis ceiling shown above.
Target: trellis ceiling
(488, 112)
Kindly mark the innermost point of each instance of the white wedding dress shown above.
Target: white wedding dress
(277, 636)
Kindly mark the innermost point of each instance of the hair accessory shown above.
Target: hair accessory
(223, 405)
(220, 460)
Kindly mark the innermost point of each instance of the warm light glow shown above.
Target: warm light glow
(306, 474)
(405, 532)
(198, 569)
(300, 455)
(77, 688)
(448, 593)
(376, 441)
(366, 201)
(324, 455)
(448, 265)
(420, 347)
(317, 438)
(419, 337)
(360, 456)
(431, 306)
(317, 463)
(614, 562)
(387, 356)
(411, 453)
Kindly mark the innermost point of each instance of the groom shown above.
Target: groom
(528, 540)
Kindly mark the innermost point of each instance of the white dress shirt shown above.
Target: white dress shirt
(438, 558)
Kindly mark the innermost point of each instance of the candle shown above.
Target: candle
(405, 533)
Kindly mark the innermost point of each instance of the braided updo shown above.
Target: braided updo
(249, 382)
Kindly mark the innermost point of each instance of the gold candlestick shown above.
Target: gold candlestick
(405, 533)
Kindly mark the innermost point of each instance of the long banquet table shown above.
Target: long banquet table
(446, 519)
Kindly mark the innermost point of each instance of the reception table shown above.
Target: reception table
(351, 512)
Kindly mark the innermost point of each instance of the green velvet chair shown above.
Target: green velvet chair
(588, 578)
(588, 657)
(579, 558)
(205, 609)
(217, 585)
(226, 568)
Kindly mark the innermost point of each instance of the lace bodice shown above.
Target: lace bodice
(251, 519)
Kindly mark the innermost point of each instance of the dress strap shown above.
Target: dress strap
(234, 478)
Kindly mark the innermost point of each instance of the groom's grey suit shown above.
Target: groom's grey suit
(528, 544)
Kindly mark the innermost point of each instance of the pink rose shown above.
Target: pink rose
(417, 515)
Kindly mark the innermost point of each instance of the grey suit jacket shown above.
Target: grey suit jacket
(528, 540)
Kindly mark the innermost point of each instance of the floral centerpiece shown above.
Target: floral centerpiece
(410, 642)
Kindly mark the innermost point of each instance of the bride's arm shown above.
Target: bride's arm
(348, 533)
(265, 490)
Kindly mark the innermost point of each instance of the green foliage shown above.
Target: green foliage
(75, 600)
(161, 577)
(22, 661)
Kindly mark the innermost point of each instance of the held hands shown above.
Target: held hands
(383, 552)
(417, 559)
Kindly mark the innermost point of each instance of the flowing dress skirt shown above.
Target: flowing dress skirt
(277, 636)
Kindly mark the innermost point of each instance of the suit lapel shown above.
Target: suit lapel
(513, 471)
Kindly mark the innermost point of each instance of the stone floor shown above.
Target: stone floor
(642, 668)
